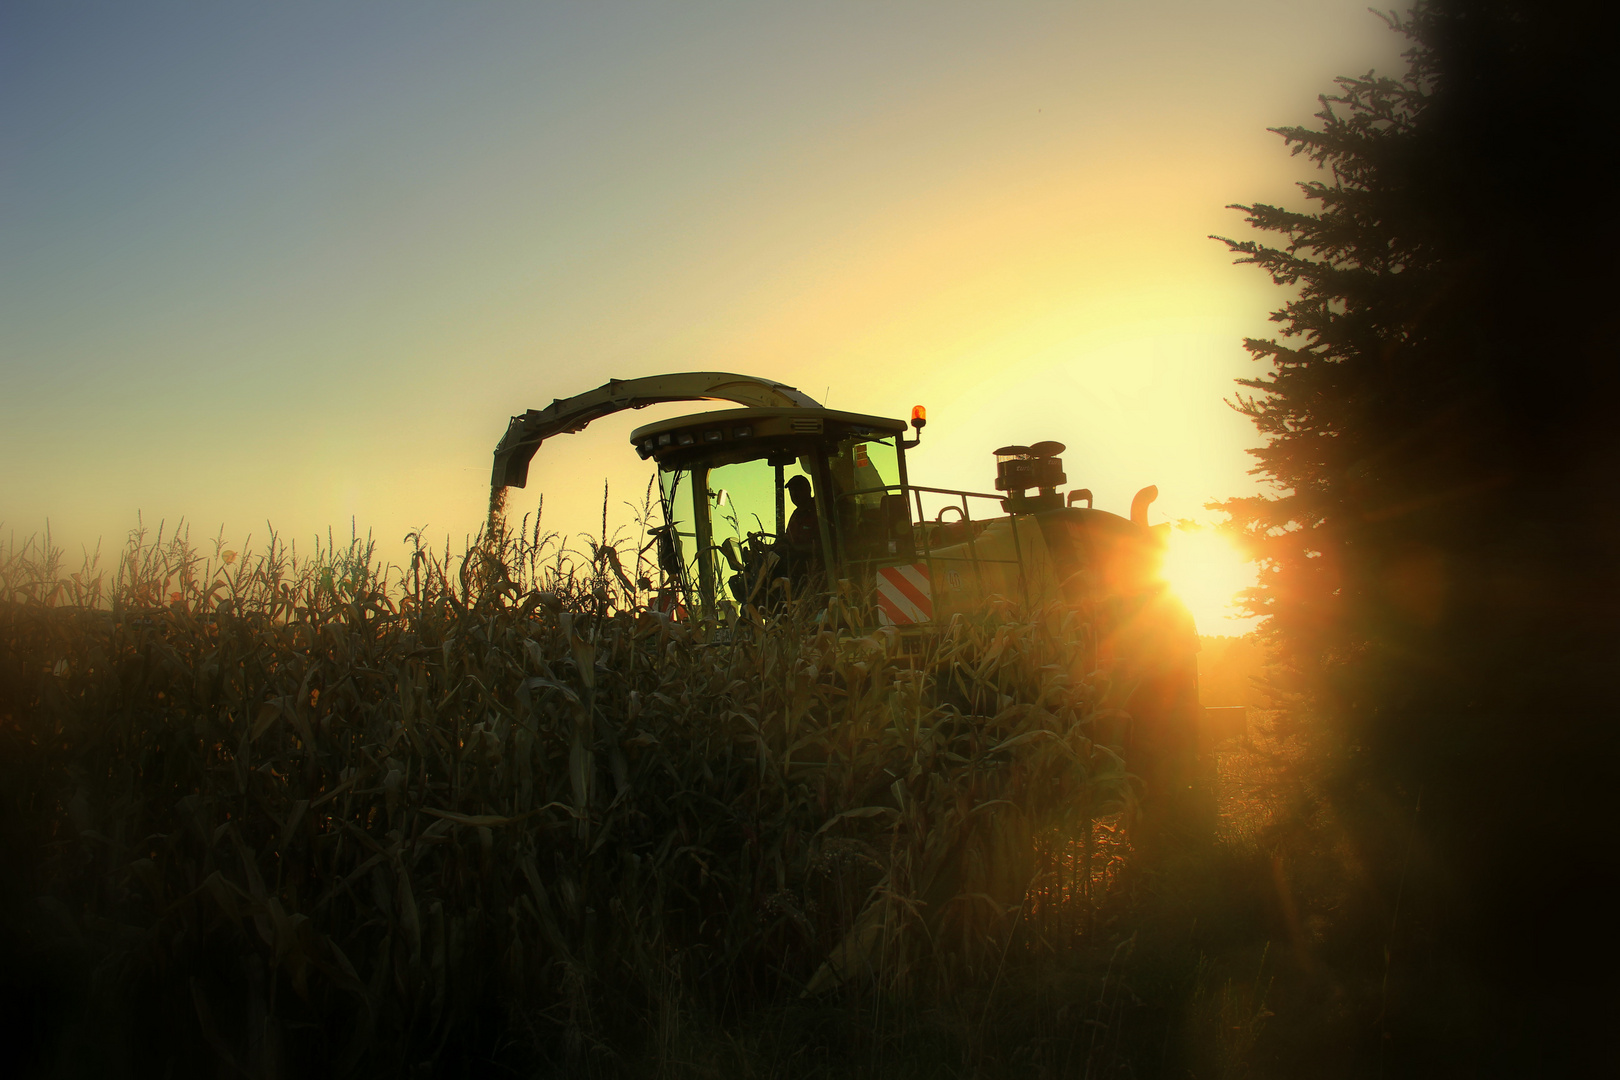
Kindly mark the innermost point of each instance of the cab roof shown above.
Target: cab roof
(742, 429)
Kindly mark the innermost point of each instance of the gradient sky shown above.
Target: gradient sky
(299, 262)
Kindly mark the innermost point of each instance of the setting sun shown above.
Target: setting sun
(1207, 572)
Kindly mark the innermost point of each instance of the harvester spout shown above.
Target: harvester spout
(526, 432)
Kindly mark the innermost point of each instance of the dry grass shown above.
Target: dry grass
(288, 815)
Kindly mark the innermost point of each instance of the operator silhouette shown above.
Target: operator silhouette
(801, 542)
(803, 534)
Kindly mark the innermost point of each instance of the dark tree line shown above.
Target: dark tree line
(1439, 558)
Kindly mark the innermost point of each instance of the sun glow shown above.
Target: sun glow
(1207, 572)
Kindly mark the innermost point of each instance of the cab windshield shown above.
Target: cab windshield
(747, 506)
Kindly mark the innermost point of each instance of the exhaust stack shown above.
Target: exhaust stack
(1140, 504)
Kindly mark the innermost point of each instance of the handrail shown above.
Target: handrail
(954, 491)
(928, 552)
(971, 541)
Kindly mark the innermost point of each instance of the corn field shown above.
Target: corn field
(310, 815)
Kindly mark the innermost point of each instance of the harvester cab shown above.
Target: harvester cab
(761, 503)
(782, 496)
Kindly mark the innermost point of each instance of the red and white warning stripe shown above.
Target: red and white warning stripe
(905, 595)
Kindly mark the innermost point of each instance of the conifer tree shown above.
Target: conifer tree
(1439, 556)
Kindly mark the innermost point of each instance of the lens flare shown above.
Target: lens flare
(1207, 572)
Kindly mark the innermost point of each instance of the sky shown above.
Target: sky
(295, 264)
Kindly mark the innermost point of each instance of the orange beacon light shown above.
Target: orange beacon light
(919, 418)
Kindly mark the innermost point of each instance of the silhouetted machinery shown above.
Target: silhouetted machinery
(782, 496)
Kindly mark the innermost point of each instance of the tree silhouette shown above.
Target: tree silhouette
(1438, 560)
